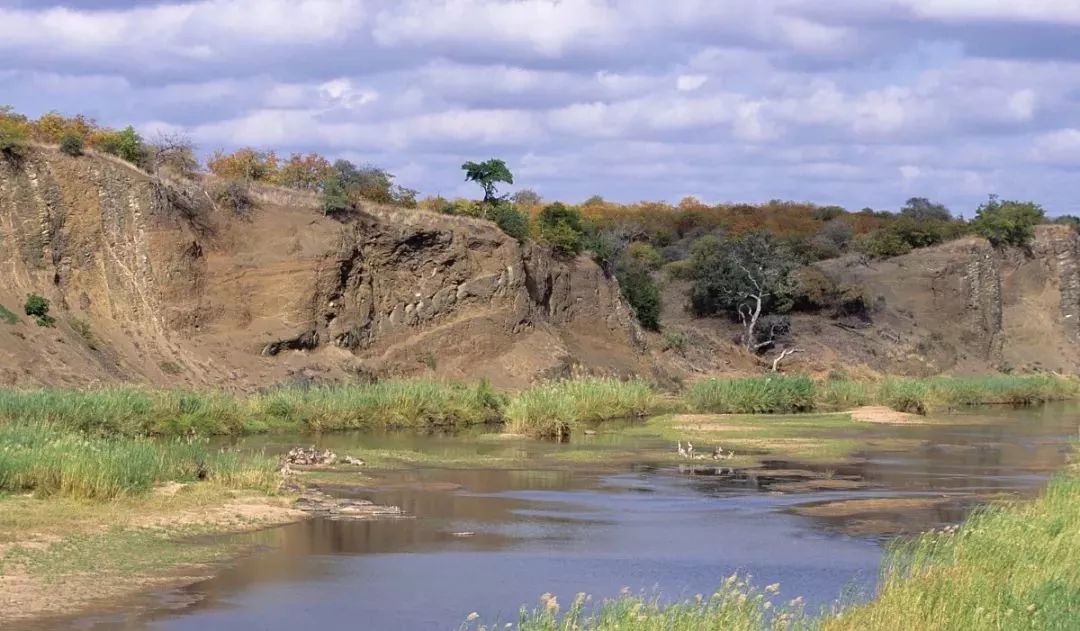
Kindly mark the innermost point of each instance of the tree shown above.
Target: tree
(487, 174)
(922, 209)
(527, 197)
(303, 172)
(174, 152)
(244, 164)
(1008, 222)
(746, 277)
(14, 133)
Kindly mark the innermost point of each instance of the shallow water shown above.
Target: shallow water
(571, 529)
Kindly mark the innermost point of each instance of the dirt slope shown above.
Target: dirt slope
(151, 282)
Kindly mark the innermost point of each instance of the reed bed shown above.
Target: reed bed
(51, 461)
(755, 395)
(553, 409)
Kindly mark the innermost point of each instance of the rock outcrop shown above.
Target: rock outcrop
(174, 289)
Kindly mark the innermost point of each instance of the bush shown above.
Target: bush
(14, 135)
(512, 221)
(640, 290)
(125, 144)
(561, 227)
(552, 410)
(1008, 222)
(882, 244)
(234, 195)
(71, 145)
(37, 307)
(645, 255)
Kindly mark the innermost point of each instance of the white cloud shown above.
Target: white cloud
(1061, 147)
(690, 82)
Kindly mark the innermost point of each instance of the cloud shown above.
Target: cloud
(851, 102)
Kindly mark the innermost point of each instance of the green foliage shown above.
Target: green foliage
(37, 307)
(51, 461)
(487, 174)
(1008, 222)
(551, 410)
(71, 145)
(512, 221)
(561, 227)
(14, 134)
(347, 185)
(922, 209)
(882, 244)
(639, 289)
(125, 144)
(82, 329)
(333, 197)
(643, 254)
(727, 274)
(758, 395)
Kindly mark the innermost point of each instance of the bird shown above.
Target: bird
(689, 449)
(682, 452)
(718, 453)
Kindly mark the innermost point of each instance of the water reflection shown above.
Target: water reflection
(566, 530)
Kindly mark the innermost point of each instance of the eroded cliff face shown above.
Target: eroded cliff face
(152, 282)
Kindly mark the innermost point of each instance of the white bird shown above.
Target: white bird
(689, 449)
(682, 452)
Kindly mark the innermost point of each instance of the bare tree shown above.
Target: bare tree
(174, 152)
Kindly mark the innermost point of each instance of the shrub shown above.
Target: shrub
(675, 340)
(234, 195)
(14, 134)
(882, 244)
(125, 144)
(71, 145)
(1008, 222)
(37, 307)
(512, 221)
(174, 152)
(640, 290)
(8, 316)
(561, 227)
(644, 254)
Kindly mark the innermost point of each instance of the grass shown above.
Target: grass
(8, 316)
(554, 409)
(136, 412)
(54, 462)
(756, 395)
(783, 395)
(1010, 566)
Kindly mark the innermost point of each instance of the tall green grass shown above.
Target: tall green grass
(756, 395)
(1007, 567)
(785, 395)
(50, 461)
(551, 410)
(135, 412)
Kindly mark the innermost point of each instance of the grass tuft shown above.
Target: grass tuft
(553, 409)
(756, 395)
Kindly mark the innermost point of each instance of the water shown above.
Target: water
(573, 529)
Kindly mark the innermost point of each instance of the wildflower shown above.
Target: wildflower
(772, 589)
(1031, 607)
(472, 616)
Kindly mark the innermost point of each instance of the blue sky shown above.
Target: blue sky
(854, 102)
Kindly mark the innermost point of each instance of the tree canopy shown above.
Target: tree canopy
(487, 174)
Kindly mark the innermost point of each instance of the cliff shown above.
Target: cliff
(151, 281)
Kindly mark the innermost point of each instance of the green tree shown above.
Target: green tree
(487, 174)
(746, 277)
(1008, 222)
(922, 209)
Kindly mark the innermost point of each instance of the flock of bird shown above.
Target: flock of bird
(717, 454)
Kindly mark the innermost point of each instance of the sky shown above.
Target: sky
(851, 102)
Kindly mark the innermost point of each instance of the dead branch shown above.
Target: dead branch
(787, 352)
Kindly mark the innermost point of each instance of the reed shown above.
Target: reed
(756, 395)
(553, 409)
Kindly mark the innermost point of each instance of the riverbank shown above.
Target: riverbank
(1010, 565)
(61, 554)
(546, 410)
